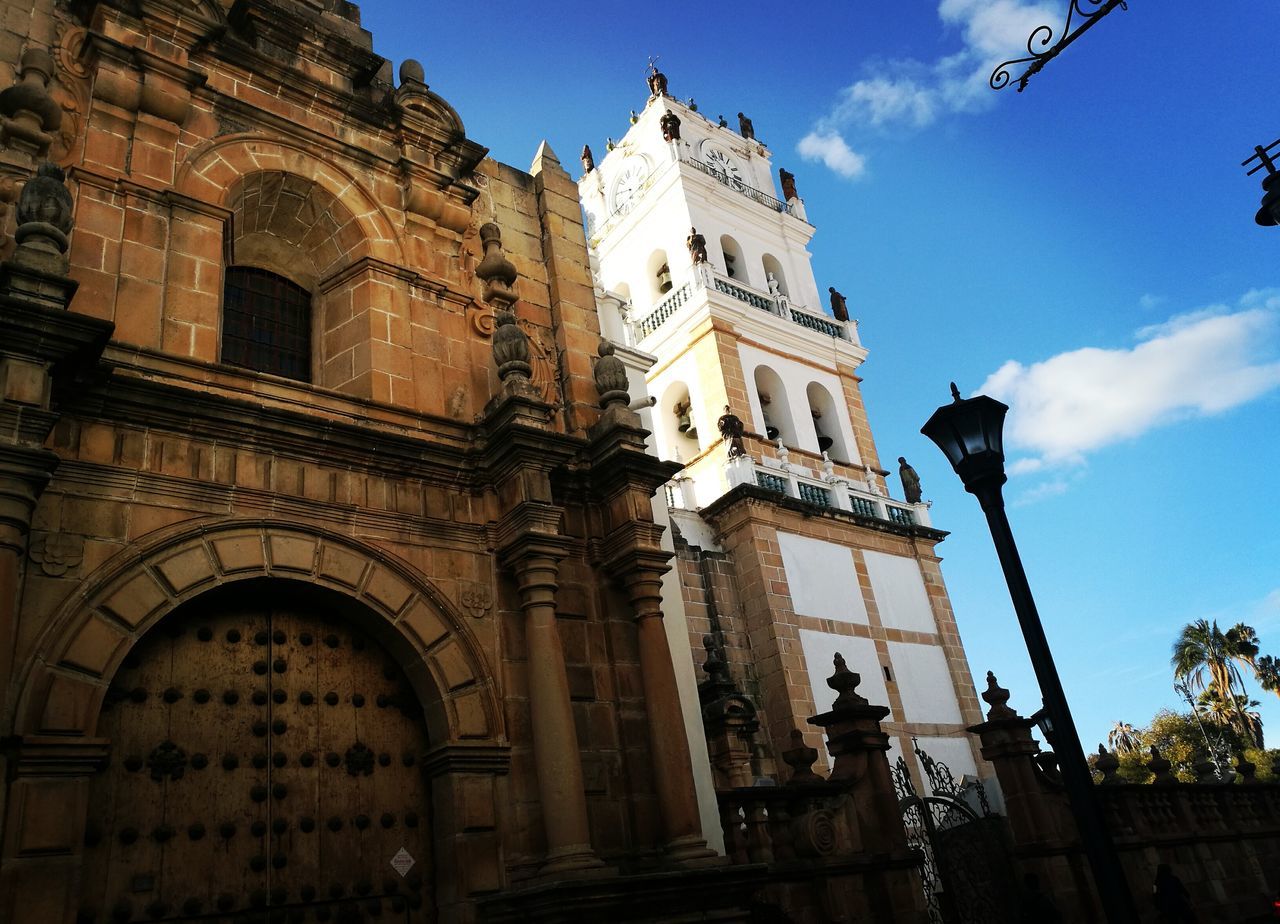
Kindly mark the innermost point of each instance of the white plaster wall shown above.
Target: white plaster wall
(899, 591)
(822, 579)
(795, 378)
(820, 649)
(954, 752)
(924, 683)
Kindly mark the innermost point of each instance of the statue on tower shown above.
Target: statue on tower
(588, 159)
(731, 430)
(838, 306)
(697, 245)
(670, 124)
(723, 122)
(788, 184)
(657, 81)
(745, 128)
(910, 481)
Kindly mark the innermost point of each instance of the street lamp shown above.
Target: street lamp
(969, 431)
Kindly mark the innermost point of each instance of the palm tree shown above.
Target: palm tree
(1267, 670)
(1124, 738)
(1206, 657)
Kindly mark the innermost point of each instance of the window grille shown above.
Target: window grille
(266, 323)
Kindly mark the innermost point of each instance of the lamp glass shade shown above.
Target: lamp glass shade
(970, 433)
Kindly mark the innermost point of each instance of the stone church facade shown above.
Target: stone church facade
(330, 581)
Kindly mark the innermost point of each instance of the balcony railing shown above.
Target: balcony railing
(666, 308)
(762, 302)
(738, 186)
(838, 495)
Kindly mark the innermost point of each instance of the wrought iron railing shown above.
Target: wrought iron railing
(666, 308)
(738, 186)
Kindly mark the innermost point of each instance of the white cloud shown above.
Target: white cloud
(831, 149)
(1041, 491)
(913, 94)
(1150, 301)
(1196, 364)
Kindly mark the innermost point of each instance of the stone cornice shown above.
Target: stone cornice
(467, 757)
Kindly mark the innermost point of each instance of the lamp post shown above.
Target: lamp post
(969, 431)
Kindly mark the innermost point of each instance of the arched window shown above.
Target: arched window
(734, 265)
(266, 323)
(772, 266)
(677, 424)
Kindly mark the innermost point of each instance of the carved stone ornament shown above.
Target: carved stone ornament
(57, 554)
(476, 602)
(167, 760)
(28, 113)
(359, 760)
(611, 377)
(845, 683)
(497, 272)
(510, 349)
(44, 211)
(997, 697)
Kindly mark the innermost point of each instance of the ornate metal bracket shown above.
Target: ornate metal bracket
(1044, 44)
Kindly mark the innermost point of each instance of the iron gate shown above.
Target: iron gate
(966, 868)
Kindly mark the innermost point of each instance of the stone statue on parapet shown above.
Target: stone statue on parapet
(697, 245)
(657, 81)
(788, 184)
(745, 128)
(910, 481)
(670, 124)
(775, 287)
(839, 307)
(731, 431)
(588, 159)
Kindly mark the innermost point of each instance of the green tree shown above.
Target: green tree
(1267, 670)
(1204, 656)
(1124, 738)
(1181, 742)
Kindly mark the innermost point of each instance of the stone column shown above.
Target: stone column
(555, 743)
(24, 472)
(668, 746)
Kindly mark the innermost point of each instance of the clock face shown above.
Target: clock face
(720, 160)
(630, 179)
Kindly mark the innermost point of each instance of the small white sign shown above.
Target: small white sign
(402, 862)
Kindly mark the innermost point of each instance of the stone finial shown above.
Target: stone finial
(497, 272)
(1107, 764)
(510, 349)
(845, 683)
(28, 114)
(716, 667)
(997, 698)
(611, 377)
(44, 220)
(1246, 768)
(800, 758)
(411, 72)
(1161, 768)
(1206, 771)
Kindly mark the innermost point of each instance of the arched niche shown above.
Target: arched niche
(828, 425)
(771, 265)
(658, 272)
(679, 429)
(775, 407)
(735, 265)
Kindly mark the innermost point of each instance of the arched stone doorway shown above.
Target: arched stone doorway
(266, 765)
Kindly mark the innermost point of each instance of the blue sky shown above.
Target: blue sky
(1084, 250)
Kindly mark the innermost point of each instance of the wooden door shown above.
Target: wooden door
(264, 766)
